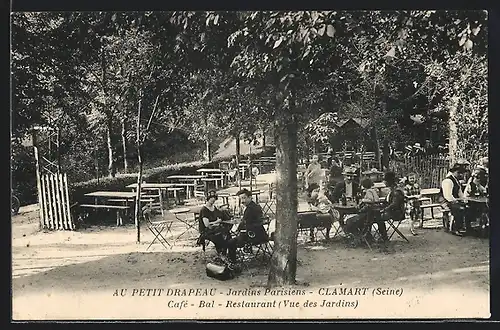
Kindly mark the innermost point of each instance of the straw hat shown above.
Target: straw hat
(349, 171)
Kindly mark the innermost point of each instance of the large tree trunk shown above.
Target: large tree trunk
(137, 210)
(263, 138)
(208, 151)
(111, 159)
(124, 144)
(453, 131)
(238, 151)
(284, 261)
(108, 112)
(378, 157)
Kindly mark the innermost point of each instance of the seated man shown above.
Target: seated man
(251, 229)
(348, 187)
(211, 226)
(367, 207)
(451, 190)
(395, 208)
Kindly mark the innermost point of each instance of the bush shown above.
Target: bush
(158, 174)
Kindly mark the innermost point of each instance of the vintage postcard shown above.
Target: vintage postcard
(228, 165)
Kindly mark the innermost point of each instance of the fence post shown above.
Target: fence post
(38, 183)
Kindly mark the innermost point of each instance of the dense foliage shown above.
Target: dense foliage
(216, 74)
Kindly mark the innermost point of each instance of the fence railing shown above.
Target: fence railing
(430, 170)
(54, 202)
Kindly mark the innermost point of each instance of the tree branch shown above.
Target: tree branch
(153, 113)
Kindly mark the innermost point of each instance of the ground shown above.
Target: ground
(76, 275)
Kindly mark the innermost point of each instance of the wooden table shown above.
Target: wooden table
(473, 199)
(431, 192)
(206, 180)
(349, 208)
(209, 170)
(112, 194)
(152, 185)
(193, 178)
(123, 196)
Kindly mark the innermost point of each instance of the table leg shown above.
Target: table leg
(161, 201)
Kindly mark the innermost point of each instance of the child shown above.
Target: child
(412, 188)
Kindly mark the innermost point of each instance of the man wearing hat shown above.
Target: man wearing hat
(347, 187)
(451, 190)
(251, 228)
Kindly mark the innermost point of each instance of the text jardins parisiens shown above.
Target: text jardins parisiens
(191, 292)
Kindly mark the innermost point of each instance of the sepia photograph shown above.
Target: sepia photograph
(249, 165)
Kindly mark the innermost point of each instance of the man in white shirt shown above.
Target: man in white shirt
(451, 189)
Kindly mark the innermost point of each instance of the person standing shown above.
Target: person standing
(451, 191)
(314, 173)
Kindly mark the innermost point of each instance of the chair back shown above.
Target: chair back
(199, 194)
(307, 219)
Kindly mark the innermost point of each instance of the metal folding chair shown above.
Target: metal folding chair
(337, 224)
(267, 208)
(394, 225)
(190, 224)
(157, 228)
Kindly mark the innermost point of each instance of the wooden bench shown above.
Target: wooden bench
(176, 191)
(119, 200)
(119, 209)
(428, 206)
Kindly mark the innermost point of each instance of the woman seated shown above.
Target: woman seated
(475, 188)
(211, 224)
(322, 205)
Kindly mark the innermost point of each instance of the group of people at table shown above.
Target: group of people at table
(216, 226)
(455, 192)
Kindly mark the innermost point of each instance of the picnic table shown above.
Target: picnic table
(125, 197)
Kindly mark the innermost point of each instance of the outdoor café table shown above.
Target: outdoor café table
(189, 224)
(234, 225)
(207, 180)
(193, 178)
(154, 186)
(349, 208)
(473, 199)
(127, 196)
(431, 192)
(209, 170)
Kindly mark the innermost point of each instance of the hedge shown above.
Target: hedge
(158, 174)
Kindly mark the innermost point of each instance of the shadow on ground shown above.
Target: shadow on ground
(429, 260)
